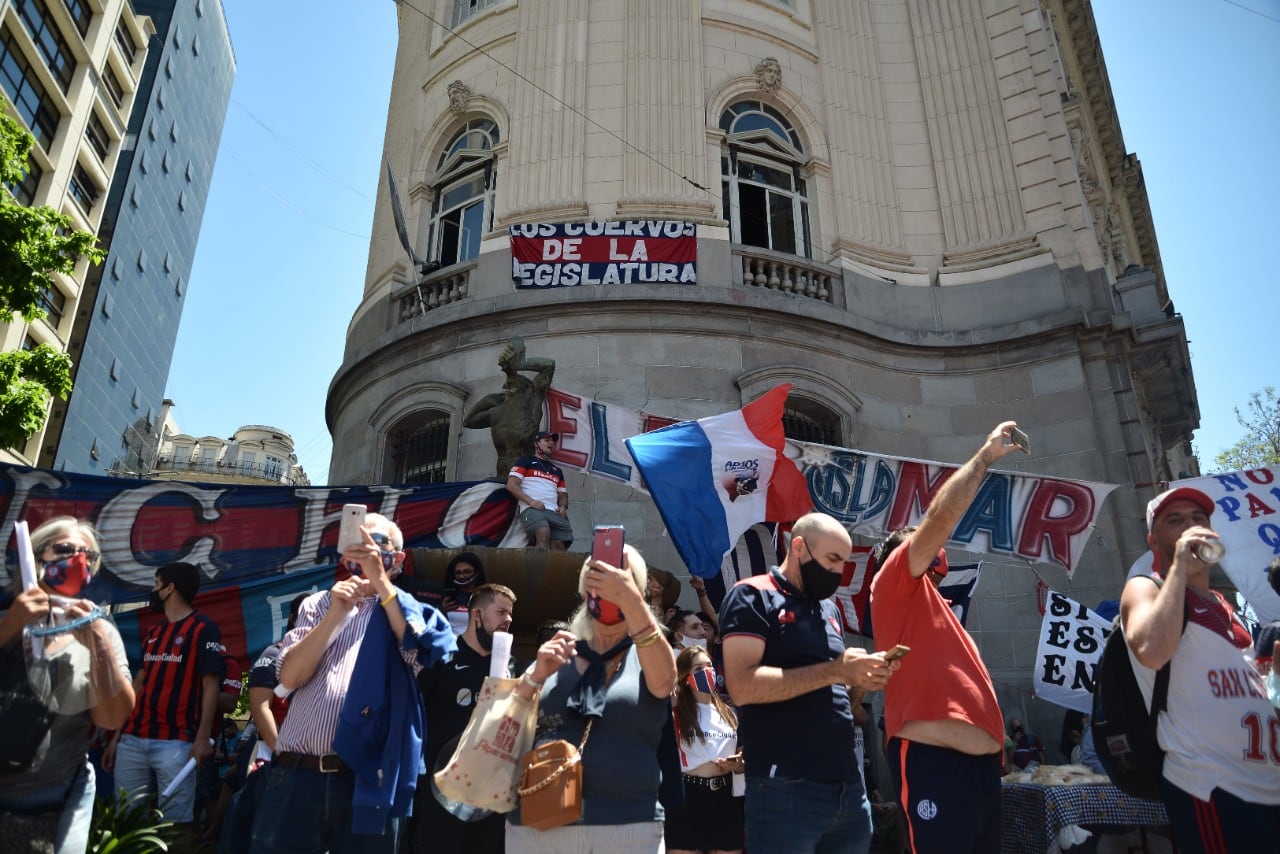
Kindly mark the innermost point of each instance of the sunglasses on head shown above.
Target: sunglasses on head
(69, 549)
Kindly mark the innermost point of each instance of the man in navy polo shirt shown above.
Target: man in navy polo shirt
(787, 669)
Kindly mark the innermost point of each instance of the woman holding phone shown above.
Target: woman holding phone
(711, 819)
(614, 670)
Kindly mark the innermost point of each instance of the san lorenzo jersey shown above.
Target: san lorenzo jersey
(175, 656)
(540, 479)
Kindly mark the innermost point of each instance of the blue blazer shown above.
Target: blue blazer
(382, 723)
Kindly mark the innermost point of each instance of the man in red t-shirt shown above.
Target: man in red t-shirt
(946, 735)
(177, 689)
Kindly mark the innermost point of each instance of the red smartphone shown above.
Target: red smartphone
(606, 544)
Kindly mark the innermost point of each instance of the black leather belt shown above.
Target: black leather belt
(715, 784)
(328, 763)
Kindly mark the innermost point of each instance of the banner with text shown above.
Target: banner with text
(1248, 521)
(1039, 519)
(569, 254)
(236, 533)
(1071, 641)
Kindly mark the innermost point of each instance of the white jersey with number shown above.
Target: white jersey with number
(1219, 730)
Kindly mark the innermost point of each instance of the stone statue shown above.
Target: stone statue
(514, 414)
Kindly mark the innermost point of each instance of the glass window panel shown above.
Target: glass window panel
(782, 223)
(753, 218)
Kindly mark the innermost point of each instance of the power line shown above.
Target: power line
(1254, 11)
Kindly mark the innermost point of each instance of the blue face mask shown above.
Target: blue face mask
(388, 563)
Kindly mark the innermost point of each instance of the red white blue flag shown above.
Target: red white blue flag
(714, 478)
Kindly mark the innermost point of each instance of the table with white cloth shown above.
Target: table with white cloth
(1032, 815)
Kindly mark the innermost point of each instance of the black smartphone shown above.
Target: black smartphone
(1020, 439)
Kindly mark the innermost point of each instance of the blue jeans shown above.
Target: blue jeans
(786, 816)
(137, 757)
(306, 811)
(75, 803)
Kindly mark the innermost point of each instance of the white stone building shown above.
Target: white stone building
(919, 212)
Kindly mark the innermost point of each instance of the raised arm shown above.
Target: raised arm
(954, 498)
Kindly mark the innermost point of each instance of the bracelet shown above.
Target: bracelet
(650, 627)
(533, 683)
(387, 601)
(648, 640)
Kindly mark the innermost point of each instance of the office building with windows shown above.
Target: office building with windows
(70, 71)
(123, 337)
(920, 213)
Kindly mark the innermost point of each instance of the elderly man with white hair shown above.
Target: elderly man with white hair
(347, 756)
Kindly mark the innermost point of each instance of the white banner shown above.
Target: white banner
(1247, 519)
(1071, 641)
(1039, 519)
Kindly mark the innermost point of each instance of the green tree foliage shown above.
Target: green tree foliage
(35, 243)
(1261, 443)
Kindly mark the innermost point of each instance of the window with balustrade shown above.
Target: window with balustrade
(462, 210)
(765, 195)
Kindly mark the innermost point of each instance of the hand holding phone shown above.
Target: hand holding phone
(349, 530)
(896, 652)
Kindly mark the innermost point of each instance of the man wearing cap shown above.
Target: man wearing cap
(1220, 734)
(942, 719)
(538, 484)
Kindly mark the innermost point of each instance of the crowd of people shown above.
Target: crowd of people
(708, 730)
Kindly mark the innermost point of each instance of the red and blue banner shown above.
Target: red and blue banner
(714, 478)
(569, 254)
(258, 546)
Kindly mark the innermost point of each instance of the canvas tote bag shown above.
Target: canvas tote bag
(485, 769)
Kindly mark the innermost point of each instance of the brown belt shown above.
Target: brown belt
(715, 784)
(328, 763)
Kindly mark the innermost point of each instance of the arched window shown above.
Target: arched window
(419, 447)
(765, 198)
(809, 421)
(463, 208)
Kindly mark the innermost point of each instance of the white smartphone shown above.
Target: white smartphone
(349, 529)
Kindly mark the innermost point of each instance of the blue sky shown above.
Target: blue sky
(281, 262)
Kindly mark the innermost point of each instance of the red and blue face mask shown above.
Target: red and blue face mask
(603, 611)
(703, 680)
(69, 575)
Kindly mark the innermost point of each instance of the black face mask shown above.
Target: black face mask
(483, 636)
(819, 582)
(156, 603)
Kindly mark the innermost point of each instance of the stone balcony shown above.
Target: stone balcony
(433, 291)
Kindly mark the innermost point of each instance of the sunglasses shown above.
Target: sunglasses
(383, 541)
(63, 550)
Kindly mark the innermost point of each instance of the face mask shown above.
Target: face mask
(819, 583)
(388, 564)
(157, 604)
(69, 575)
(700, 643)
(484, 637)
(703, 680)
(603, 611)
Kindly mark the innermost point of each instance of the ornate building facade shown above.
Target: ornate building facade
(919, 213)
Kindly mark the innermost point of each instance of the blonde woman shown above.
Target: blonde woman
(92, 688)
(613, 668)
